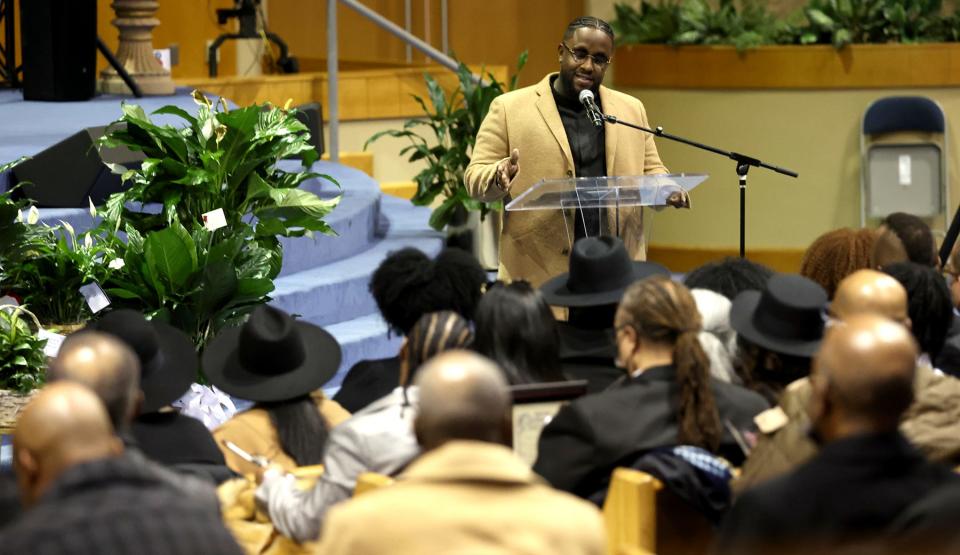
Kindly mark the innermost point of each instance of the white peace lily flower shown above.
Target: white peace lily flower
(19, 216)
(87, 240)
(68, 227)
(93, 209)
(33, 215)
(116, 264)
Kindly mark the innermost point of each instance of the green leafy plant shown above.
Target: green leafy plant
(683, 22)
(452, 121)
(837, 22)
(176, 269)
(45, 266)
(22, 360)
(842, 22)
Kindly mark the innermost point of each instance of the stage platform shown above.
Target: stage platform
(323, 279)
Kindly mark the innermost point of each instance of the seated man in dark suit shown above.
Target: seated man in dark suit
(83, 496)
(866, 474)
(600, 270)
(669, 399)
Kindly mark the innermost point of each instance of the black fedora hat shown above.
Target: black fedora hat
(271, 357)
(168, 358)
(600, 271)
(786, 317)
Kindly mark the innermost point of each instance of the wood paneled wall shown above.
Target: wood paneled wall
(491, 32)
(189, 24)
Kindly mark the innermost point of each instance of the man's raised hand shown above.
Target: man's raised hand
(508, 169)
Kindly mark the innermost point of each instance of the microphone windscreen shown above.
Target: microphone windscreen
(585, 95)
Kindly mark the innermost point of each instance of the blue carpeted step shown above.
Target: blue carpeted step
(338, 292)
(361, 338)
(356, 220)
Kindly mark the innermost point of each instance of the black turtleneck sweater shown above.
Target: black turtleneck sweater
(587, 145)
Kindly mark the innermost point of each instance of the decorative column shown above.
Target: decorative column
(136, 22)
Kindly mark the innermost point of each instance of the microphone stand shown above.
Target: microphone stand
(744, 163)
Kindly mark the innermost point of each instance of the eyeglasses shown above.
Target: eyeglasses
(580, 55)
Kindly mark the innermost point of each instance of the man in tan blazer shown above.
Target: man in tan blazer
(468, 493)
(526, 137)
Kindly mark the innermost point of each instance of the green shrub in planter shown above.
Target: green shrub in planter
(174, 268)
(22, 360)
(45, 266)
(452, 123)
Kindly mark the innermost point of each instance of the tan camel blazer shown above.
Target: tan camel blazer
(534, 245)
(253, 432)
(465, 497)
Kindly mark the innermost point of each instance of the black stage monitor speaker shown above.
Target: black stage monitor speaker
(67, 173)
(311, 115)
(59, 43)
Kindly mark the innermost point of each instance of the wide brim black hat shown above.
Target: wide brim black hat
(556, 292)
(226, 368)
(600, 271)
(174, 369)
(785, 318)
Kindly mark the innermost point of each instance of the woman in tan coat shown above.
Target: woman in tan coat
(280, 363)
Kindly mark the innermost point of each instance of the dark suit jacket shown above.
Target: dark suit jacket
(117, 506)
(848, 494)
(948, 361)
(591, 436)
(367, 381)
(589, 355)
(180, 442)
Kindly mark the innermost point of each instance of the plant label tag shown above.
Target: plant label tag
(54, 341)
(215, 219)
(96, 299)
(164, 57)
(906, 175)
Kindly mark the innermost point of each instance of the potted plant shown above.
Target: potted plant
(22, 361)
(453, 121)
(178, 265)
(44, 266)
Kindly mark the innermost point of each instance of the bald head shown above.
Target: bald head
(64, 425)
(870, 292)
(462, 396)
(863, 377)
(105, 365)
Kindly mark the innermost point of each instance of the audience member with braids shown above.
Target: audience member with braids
(407, 285)
(837, 254)
(515, 328)
(670, 398)
(378, 438)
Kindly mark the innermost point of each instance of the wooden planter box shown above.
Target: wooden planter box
(863, 66)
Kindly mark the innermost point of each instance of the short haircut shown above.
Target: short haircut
(114, 376)
(915, 235)
(589, 22)
(729, 276)
(929, 304)
(408, 284)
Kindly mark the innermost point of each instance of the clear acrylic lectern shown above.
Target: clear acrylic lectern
(605, 192)
(599, 193)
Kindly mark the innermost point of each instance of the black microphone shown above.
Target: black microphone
(586, 98)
